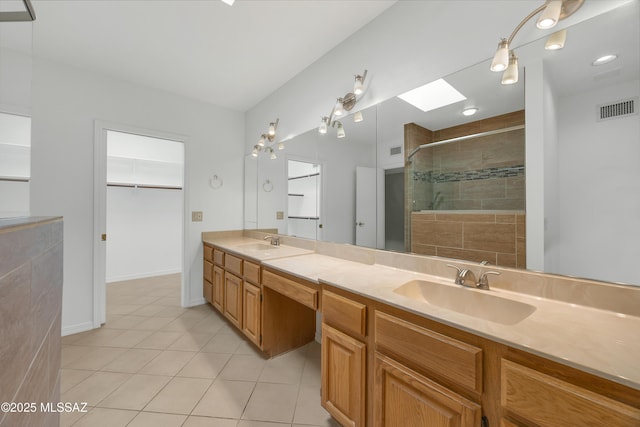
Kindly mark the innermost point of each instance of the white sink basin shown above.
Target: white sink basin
(476, 303)
(258, 247)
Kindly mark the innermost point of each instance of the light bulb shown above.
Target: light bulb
(501, 58)
(510, 75)
(340, 133)
(556, 40)
(339, 109)
(280, 145)
(254, 152)
(550, 15)
(261, 141)
(323, 125)
(272, 129)
(273, 155)
(357, 117)
(358, 86)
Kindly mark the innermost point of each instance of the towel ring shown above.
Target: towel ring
(216, 182)
(267, 186)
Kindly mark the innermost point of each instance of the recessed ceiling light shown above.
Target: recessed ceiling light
(432, 95)
(469, 111)
(605, 59)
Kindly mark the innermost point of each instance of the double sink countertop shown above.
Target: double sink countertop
(603, 342)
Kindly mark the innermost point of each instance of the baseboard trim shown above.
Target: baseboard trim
(74, 329)
(141, 275)
(197, 301)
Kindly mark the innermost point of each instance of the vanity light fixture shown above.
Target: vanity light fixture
(469, 111)
(510, 75)
(261, 141)
(280, 145)
(265, 143)
(343, 105)
(324, 123)
(255, 150)
(605, 59)
(272, 128)
(272, 155)
(556, 40)
(357, 117)
(358, 86)
(553, 11)
(338, 110)
(340, 133)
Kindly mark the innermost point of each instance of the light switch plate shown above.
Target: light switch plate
(196, 216)
(279, 215)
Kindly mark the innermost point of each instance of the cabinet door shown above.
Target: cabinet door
(404, 398)
(343, 377)
(217, 294)
(251, 309)
(233, 299)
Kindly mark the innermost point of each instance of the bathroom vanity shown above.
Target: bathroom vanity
(403, 345)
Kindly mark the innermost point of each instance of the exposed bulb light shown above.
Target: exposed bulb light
(358, 86)
(550, 15)
(510, 75)
(261, 140)
(324, 122)
(254, 152)
(357, 117)
(272, 129)
(501, 58)
(604, 59)
(556, 40)
(273, 155)
(280, 145)
(340, 132)
(469, 111)
(339, 108)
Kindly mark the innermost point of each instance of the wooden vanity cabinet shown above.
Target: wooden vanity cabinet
(217, 293)
(344, 359)
(233, 299)
(252, 303)
(207, 283)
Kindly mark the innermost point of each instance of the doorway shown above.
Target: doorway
(394, 209)
(139, 208)
(304, 196)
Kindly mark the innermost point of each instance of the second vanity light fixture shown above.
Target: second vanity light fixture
(553, 11)
(265, 143)
(342, 106)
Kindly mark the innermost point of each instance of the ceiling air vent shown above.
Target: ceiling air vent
(627, 107)
(395, 150)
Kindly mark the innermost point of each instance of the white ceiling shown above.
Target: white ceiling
(232, 56)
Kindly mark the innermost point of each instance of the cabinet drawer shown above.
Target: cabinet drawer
(548, 401)
(218, 257)
(443, 356)
(345, 314)
(208, 271)
(208, 253)
(291, 289)
(233, 264)
(252, 272)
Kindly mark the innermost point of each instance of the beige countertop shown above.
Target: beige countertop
(598, 341)
(256, 250)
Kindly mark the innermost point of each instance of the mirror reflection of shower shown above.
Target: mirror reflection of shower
(303, 193)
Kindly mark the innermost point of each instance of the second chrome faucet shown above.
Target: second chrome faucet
(465, 277)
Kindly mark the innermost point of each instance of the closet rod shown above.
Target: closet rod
(158, 187)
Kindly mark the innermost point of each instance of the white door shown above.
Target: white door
(366, 206)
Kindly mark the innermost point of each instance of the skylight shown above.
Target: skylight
(432, 95)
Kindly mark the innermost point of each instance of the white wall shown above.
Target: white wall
(144, 229)
(65, 103)
(599, 187)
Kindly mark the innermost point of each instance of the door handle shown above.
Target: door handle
(104, 237)
(360, 224)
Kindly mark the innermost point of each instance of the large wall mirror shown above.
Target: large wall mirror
(376, 187)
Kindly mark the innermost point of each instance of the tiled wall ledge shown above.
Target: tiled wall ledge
(30, 312)
(602, 295)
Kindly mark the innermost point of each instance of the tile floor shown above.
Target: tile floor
(157, 364)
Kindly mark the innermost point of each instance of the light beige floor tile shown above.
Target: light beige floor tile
(150, 419)
(153, 323)
(149, 310)
(309, 410)
(205, 365)
(159, 340)
(243, 367)
(223, 343)
(209, 422)
(71, 377)
(179, 396)
(249, 423)
(71, 353)
(181, 324)
(212, 324)
(128, 339)
(190, 341)
(135, 393)
(102, 417)
(168, 301)
(67, 419)
(311, 372)
(284, 369)
(132, 361)
(246, 347)
(168, 363)
(96, 358)
(124, 322)
(143, 300)
(272, 402)
(122, 308)
(172, 312)
(95, 388)
(225, 399)
(99, 336)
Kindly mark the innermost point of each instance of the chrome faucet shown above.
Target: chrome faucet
(275, 240)
(465, 277)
